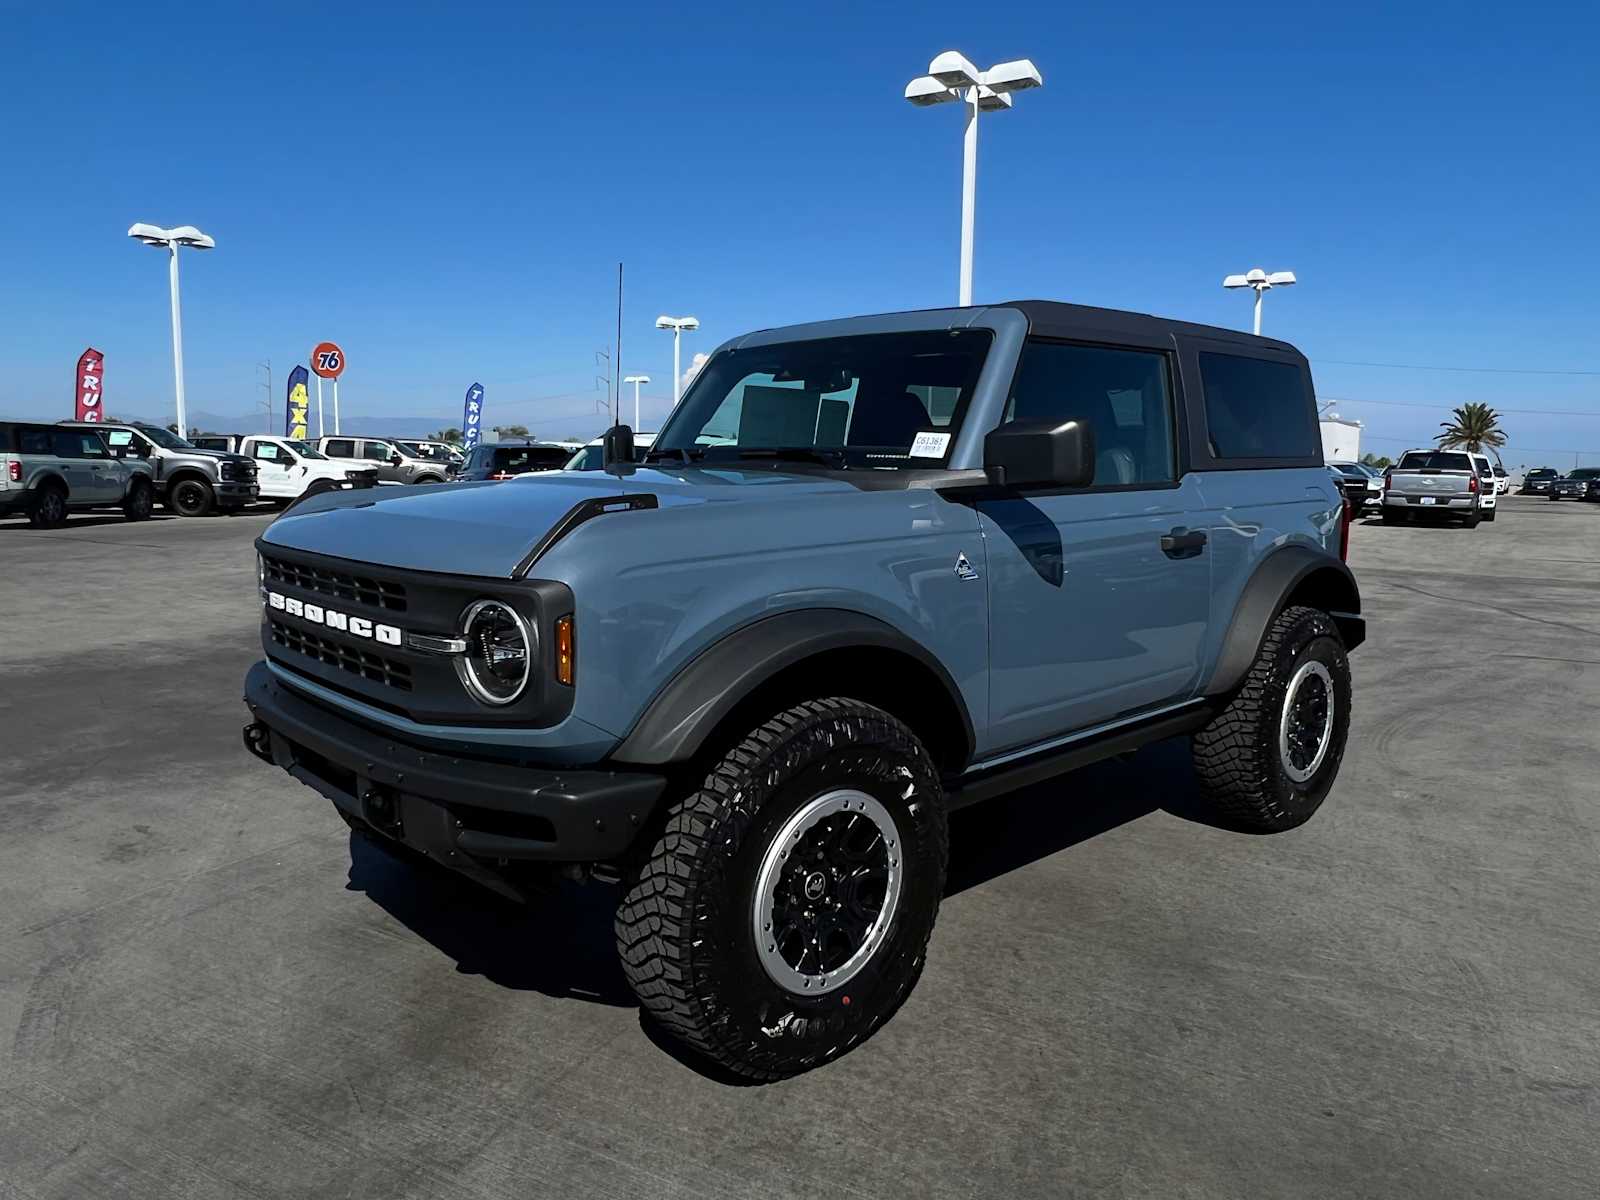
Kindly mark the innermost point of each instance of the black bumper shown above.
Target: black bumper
(470, 814)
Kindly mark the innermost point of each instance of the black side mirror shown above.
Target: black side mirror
(1032, 454)
(617, 447)
(395, 460)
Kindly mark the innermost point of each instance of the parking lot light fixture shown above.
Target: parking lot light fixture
(1261, 283)
(951, 76)
(678, 325)
(636, 380)
(171, 239)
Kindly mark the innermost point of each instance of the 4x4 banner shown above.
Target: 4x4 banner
(91, 386)
(472, 417)
(294, 412)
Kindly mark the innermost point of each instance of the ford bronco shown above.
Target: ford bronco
(870, 571)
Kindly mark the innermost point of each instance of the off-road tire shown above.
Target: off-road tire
(141, 499)
(49, 508)
(191, 497)
(1490, 515)
(1237, 756)
(1390, 517)
(1472, 521)
(685, 927)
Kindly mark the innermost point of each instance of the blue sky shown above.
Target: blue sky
(446, 191)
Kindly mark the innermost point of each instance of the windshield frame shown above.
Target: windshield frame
(165, 439)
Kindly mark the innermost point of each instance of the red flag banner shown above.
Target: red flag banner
(91, 386)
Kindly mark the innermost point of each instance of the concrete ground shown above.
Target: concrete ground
(207, 991)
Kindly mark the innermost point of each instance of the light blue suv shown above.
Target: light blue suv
(871, 570)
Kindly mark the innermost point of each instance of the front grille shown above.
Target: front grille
(365, 663)
(375, 593)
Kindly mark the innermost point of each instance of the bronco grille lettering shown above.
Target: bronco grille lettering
(360, 627)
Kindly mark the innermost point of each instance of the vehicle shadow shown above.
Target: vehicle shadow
(560, 946)
(82, 521)
(1011, 831)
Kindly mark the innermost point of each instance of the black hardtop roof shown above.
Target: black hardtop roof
(1055, 317)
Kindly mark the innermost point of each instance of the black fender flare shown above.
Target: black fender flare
(1279, 576)
(684, 713)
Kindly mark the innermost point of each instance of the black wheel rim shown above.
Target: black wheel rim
(187, 497)
(52, 507)
(827, 892)
(1307, 726)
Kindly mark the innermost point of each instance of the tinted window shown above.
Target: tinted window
(1121, 394)
(376, 451)
(5, 437)
(340, 448)
(72, 443)
(1256, 408)
(211, 443)
(1433, 460)
(33, 441)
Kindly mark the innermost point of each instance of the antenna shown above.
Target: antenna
(616, 395)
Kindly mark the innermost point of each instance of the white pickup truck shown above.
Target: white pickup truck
(285, 468)
(1437, 484)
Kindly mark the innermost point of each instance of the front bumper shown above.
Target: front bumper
(230, 494)
(469, 814)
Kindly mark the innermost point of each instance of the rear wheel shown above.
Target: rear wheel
(1472, 521)
(191, 497)
(1266, 761)
(1391, 517)
(49, 507)
(785, 910)
(1490, 515)
(139, 502)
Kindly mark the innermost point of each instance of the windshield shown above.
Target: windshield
(1434, 460)
(1585, 473)
(880, 400)
(305, 450)
(164, 438)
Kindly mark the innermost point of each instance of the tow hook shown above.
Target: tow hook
(258, 740)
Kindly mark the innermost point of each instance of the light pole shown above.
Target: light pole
(1261, 283)
(677, 325)
(952, 76)
(171, 239)
(636, 380)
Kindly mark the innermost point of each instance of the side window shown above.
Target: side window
(340, 448)
(1257, 408)
(376, 451)
(33, 441)
(5, 438)
(69, 443)
(1123, 395)
(268, 450)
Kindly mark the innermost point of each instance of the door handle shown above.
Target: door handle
(1183, 543)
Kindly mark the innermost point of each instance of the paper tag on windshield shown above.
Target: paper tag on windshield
(930, 445)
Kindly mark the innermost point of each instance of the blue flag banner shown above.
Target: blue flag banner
(472, 417)
(294, 412)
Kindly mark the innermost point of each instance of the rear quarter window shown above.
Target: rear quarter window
(1257, 408)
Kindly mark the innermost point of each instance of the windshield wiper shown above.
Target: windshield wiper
(684, 456)
(828, 456)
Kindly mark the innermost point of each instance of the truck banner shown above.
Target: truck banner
(294, 417)
(91, 386)
(472, 417)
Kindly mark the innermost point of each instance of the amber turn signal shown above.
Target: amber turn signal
(564, 650)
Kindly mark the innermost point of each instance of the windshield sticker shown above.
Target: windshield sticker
(930, 445)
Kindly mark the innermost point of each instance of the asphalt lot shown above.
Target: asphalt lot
(207, 991)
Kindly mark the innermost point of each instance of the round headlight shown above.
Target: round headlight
(499, 654)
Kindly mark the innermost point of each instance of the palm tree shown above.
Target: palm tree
(1474, 426)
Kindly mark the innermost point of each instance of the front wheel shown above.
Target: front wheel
(139, 502)
(191, 498)
(1266, 761)
(784, 912)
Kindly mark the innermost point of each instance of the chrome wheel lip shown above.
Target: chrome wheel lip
(775, 858)
(1291, 696)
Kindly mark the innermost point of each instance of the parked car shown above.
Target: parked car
(510, 457)
(1583, 483)
(286, 468)
(189, 481)
(1488, 486)
(871, 570)
(592, 456)
(1363, 484)
(382, 456)
(47, 472)
(446, 455)
(1433, 483)
(1537, 481)
(1502, 481)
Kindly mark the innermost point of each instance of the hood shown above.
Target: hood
(486, 529)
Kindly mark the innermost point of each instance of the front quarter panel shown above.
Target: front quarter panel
(655, 588)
